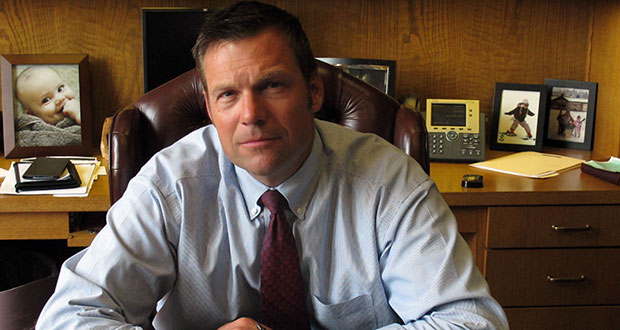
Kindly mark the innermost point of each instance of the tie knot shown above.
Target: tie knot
(274, 201)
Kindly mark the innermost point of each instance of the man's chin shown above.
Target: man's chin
(266, 173)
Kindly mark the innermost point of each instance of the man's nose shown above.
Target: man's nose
(253, 111)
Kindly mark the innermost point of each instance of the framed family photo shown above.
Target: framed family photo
(518, 117)
(571, 113)
(46, 105)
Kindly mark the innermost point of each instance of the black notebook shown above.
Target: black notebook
(71, 180)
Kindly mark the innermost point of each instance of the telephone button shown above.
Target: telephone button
(452, 136)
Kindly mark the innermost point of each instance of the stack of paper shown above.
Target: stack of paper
(530, 164)
(86, 168)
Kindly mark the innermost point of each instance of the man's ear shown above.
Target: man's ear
(28, 112)
(316, 92)
(206, 99)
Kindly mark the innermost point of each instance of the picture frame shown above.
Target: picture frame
(571, 114)
(46, 105)
(519, 112)
(380, 74)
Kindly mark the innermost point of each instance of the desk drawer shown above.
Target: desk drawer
(533, 226)
(598, 317)
(551, 277)
(34, 226)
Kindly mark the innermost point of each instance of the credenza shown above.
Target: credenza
(549, 248)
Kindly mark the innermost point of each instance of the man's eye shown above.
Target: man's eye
(45, 100)
(61, 88)
(274, 84)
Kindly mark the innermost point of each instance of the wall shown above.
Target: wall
(605, 69)
(449, 49)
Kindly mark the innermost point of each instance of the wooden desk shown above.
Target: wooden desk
(47, 217)
(507, 224)
(533, 270)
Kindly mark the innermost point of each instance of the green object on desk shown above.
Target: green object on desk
(612, 165)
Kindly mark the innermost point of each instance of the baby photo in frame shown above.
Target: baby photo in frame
(518, 117)
(571, 114)
(46, 105)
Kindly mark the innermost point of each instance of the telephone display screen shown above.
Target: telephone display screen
(449, 114)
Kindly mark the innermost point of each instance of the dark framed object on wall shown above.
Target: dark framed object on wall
(379, 73)
(46, 105)
(518, 117)
(571, 114)
(168, 35)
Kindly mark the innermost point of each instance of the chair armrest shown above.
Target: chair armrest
(410, 136)
(124, 139)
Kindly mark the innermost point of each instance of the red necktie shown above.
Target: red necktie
(282, 293)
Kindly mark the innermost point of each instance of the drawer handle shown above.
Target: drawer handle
(566, 279)
(582, 228)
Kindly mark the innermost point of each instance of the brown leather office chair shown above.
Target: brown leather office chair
(167, 113)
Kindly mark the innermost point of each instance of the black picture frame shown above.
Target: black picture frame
(509, 133)
(380, 74)
(72, 70)
(571, 114)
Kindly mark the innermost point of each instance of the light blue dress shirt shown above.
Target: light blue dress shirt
(378, 245)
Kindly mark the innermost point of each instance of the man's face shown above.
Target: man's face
(523, 105)
(44, 95)
(261, 106)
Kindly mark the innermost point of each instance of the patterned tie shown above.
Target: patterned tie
(282, 294)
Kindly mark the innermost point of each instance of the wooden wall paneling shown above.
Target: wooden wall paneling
(452, 49)
(605, 69)
(459, 49)
(109, 32)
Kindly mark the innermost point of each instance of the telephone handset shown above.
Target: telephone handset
(455, 130)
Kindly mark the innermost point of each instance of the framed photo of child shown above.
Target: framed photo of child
(570, 114)
(46, 105)
(518, 117)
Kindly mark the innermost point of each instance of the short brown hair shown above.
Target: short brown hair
(248, 19)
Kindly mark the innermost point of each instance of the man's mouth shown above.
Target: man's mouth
(258, 142)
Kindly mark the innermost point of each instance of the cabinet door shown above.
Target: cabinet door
(553, 226)
(565, 318)
(552, 277)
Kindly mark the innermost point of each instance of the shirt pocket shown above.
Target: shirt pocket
(356, 313)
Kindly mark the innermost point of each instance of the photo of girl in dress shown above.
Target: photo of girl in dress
(568, 114)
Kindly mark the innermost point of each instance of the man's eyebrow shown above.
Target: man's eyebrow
(271, 76)
(221, 87)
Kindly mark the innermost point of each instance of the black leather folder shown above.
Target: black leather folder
(70, 181)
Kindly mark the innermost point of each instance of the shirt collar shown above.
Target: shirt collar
(295, 189)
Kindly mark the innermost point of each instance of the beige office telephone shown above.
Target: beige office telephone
(455, 130)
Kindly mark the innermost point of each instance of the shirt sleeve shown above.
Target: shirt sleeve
(122, 289)
(428, 270)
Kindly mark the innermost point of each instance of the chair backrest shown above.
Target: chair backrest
(169, 112)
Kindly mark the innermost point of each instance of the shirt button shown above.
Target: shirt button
(299, 211)
(254, 211)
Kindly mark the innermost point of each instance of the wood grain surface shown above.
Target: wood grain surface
(447, 49)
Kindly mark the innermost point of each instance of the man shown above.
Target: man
(519, 114)
(376, 244)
